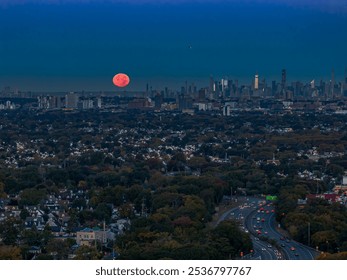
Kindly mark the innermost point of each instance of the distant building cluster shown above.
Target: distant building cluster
(69, 101)
(338, 194)
(224, 96)
(8, 105)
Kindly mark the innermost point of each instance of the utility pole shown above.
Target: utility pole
(143, 207)
(231, 194)
(104, 233)
(308, 233)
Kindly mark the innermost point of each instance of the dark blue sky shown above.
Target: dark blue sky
(80, 45)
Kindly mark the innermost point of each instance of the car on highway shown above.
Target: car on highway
(292, 248)
(269, 246)
(263, 249)
(257, 239)
(282, 245)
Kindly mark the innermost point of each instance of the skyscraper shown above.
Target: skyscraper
(273, 88)
(212, 87)
(332, 85)
(344, 85)
(256, 82)
(284, 79)
(158, 101)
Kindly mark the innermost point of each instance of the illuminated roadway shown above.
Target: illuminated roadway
(252, 219)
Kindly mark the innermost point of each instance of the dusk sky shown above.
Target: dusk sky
(80, 44)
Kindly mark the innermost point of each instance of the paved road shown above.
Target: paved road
(264, 217)
(258, 218)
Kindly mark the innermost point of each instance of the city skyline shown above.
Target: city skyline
(254, 82)
(80, 45)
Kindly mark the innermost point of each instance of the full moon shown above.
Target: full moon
(121, 80)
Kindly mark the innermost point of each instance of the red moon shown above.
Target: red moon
(121, 80)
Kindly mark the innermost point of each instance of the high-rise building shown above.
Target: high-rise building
(85, 104)
(98, 103)
(71, 100)
(202, 94)
(344, 85)
(332, 85)
(184, 102)
(284, 79)
(49, 102)
(158, 101)
(273, 88)
(226, 110)
(212, 86)
(223, 87)
(236, 88)
(256, 82)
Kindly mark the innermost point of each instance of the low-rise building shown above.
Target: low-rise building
(88, 236)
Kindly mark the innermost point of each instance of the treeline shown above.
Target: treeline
(319, 223)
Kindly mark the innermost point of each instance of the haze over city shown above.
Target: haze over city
(80, 45)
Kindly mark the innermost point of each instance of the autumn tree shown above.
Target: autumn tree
(10, 253)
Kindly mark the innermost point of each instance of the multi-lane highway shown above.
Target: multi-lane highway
(257, 217)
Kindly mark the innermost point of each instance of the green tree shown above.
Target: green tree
(230, 241)
(58, 248)
(32, 196)
(10, 230)
(103, 212)
(2, 190)
(24, 214)
(87, 253)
